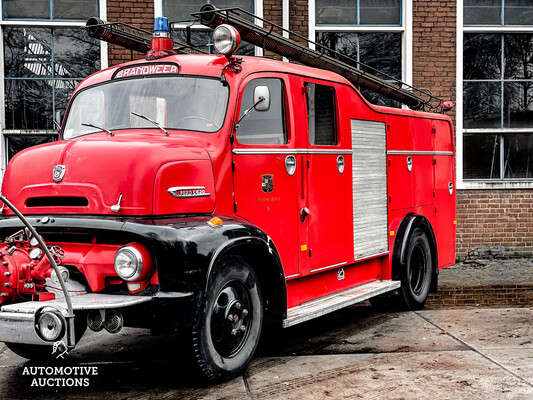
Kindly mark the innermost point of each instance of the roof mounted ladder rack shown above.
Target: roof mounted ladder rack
(265, 38)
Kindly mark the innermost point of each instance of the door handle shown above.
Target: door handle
(304, 212)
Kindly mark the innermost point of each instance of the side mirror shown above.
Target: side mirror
(261, 98)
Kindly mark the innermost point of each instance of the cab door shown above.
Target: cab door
(328, 164)
(266, 174)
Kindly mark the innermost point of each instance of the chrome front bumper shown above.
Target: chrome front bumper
(17, 321)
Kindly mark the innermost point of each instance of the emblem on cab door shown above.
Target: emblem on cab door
(58, 173)
(268, 184)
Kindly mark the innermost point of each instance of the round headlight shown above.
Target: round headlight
(226, 39)
(50, 326)
(128, 263)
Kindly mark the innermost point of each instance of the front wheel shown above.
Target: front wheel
(230, 327)
(417, 272)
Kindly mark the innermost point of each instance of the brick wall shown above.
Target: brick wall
(139, 13)
(488, 219)
(299, 19)
(434, 26)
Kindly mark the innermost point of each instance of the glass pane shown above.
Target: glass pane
(481, 157)
(28, 104)
(482, 12)
(382, 52)
(36, 9)
(518, 56)
(378, 99)
(379, 12)
(482, 105)
(344, 43)
(21, 142)
(336, 12)
(186, 103)
(76, 55)
(518, 104)
(200, 39)
(321, 113)
(263, 127)
(75, 9)
(518, 12)
(518, 153)
(63, 90)
(177, 10)
(482, 56)
(27, 52)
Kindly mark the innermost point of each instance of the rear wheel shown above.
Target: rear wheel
(417, 272)
(230, 327)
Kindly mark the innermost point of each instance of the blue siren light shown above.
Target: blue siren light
(161, 26)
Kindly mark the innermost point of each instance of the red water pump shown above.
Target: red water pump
(24, 269)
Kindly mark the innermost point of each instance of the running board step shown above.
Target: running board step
(317, 308)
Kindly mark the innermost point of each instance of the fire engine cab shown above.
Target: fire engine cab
(213, 194)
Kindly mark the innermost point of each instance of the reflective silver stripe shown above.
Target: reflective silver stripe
(292, 276)
(329, 266)
(419, 153)
(291, 151)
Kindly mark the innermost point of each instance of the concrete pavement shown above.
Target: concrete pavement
(356, 353)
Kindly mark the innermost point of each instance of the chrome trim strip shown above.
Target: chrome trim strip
(292, 276)
(336, 301)
(195, 191)
(329, 266)
(419, 153)
(292, 151)
(90, 301)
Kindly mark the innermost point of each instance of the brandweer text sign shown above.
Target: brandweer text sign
(147, 70)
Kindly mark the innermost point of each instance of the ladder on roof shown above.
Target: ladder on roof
(264, 37)
(135, 39)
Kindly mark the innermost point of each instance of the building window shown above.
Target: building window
(358, 12)
(498, 12)
(179, 10)
(343, 26)
(42, 65)
(497, 91)
(49, 9)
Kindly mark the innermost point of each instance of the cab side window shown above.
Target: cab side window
(321, 113)
(263, 127)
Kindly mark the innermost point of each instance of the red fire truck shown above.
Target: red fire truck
(213, 194)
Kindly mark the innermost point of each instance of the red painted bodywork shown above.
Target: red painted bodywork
(141, 164)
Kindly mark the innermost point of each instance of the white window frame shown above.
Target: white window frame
(102, 6)
(459, 109)
(406, 31)
(258, 11)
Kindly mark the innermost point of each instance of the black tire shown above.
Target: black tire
(222, 348)
(417, 272)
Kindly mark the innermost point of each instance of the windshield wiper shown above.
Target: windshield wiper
(98, 127)
(150, 120)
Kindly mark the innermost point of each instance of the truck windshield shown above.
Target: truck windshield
(187, 103)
